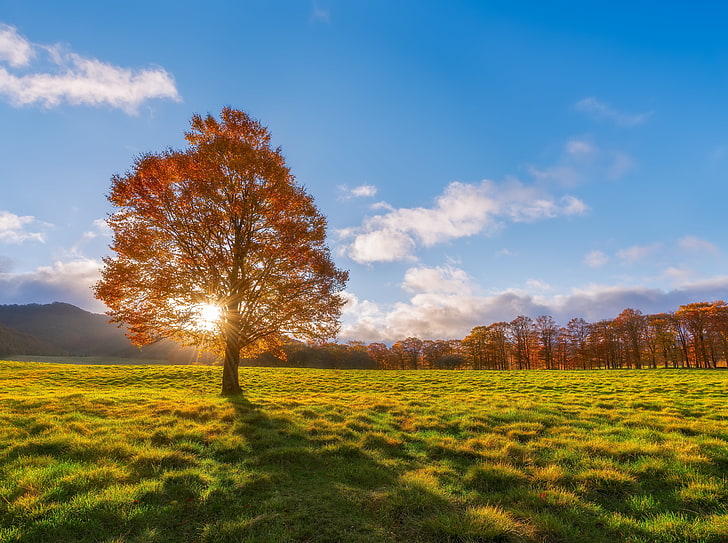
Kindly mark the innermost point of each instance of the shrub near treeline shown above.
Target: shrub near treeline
(694, 336)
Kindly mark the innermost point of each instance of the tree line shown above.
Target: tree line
(694, 336)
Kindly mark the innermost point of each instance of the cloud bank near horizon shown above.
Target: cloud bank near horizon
(64, 281)
(444, 303)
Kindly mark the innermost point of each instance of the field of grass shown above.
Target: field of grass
(87, 360)
(115, 454)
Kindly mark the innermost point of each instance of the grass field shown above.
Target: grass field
(151, 453)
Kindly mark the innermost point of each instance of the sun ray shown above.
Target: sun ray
(207, 316)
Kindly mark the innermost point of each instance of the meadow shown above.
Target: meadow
(116, 454)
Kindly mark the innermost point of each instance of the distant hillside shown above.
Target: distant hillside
(78, 332)
(64, 329)
(14, 342)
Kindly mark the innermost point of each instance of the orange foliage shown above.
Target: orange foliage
(221, 222)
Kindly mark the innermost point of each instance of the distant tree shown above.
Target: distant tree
(521, 329)
(718, 315)
(400, 356)
(452, 361)
(382, 356)
(499, 346)
(696, 319)
(682, 337)
(408, 351)
(547, 332)
(442, 354)
(562, 349)
(432, 352)
(632, 325)
(577, 331)
(216, 245)
(661, 341)
(475, 347)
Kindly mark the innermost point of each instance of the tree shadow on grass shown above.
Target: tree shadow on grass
(267, 479)
(310, 476)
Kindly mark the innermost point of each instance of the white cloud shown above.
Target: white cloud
(381, 246)
(446, 280)
(462, 210)
(635, 253)
(13, 228)
(76, 80)
(100, 229)
(434, 311)
(601, 111)
(362, 191)
(696, 244)
(64, 281)
(14, 49)
(596, 259)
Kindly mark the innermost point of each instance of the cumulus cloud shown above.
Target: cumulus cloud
(14, 49)
(596, 259)
(74, 79)
(15, 228)
(362, 191)
(64, 281)
(462, 210)
(434, 311)
(601, 111)
(440, 280)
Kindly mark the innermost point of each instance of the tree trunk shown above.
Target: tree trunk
(230, 380)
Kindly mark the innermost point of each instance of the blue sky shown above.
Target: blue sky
(476, 160)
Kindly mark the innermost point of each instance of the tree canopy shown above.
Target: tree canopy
(216, 245)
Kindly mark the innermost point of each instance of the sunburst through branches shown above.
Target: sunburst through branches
(206, 317)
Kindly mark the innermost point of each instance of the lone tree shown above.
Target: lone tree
(218, 247)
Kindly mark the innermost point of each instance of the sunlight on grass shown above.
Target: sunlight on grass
(142, 453)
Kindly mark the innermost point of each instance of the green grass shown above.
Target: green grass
(115, 454)
(88, 360)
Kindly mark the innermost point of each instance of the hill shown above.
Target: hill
(67, 327)
(15, 342)
(64, 329)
